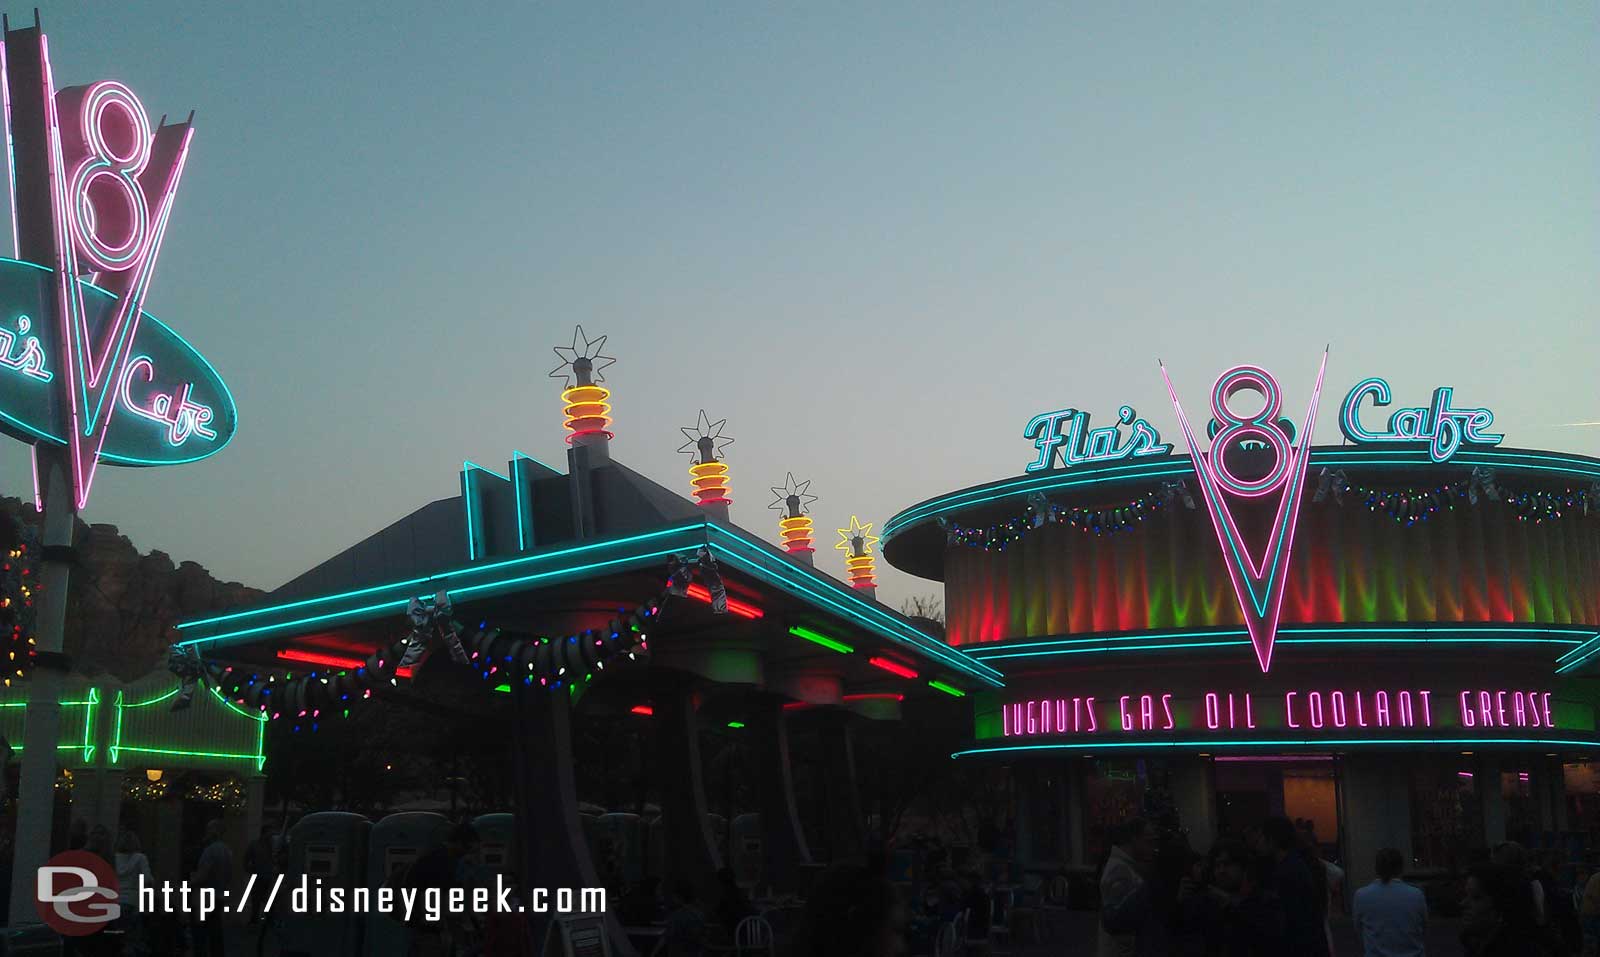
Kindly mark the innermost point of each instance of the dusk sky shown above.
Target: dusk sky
(876, 238)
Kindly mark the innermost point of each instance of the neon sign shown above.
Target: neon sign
(1064, 437)
(92, 190)
(1258, 577)
(1298, 709)
(1442, 428)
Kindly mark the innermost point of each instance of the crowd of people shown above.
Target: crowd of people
(1271, 893)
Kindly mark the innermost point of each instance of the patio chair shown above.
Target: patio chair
(947, 944)
(753, 936)
(1053, 909)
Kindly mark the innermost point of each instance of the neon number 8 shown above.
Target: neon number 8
(1261, 425)
(107, 210)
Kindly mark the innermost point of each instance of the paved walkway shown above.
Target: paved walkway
(1078, 939)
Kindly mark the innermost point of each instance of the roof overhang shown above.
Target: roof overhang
(577, 565)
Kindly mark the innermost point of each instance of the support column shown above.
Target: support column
(1494, 802)
(551, 847)
(36, 785)
(690, 848)
(1375, 812)
(1195, 794)
(1550, 791)
(1075, 804)
(783, 840)
(107, 807)
(846, 825)
(255, 799)
(1022, 799)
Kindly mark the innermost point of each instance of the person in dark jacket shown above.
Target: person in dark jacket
(1296, 890)
(1497, 918)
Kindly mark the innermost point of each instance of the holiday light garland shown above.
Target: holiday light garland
(18, 585)
(1102, 520)
(498, 656)
(1413, 505)
(1407, 506)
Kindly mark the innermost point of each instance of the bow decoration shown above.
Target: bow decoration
(712, 576)
(677, 577)
(1177, 490)
(1592, 498)
(950, 535)
(185, 662)
(1482, 479)
(1039, 509)
(429, 623)
(1335, 482)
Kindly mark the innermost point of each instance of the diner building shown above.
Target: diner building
(1395, 639)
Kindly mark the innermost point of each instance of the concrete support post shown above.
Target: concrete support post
(689, 846)
(846, 825)
(1022, 800)
(1194, 792)
(783, 839)
(1550, 790)
(1376, 813)
(1492, 798)
(551, 848)
(1077, 853)
(106, 808)
(36, 786)
(255, 800)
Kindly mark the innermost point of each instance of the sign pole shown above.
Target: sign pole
(37, 770)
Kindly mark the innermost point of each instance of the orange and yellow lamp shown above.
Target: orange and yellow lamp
(709, 473)
(856, 542)
(795, 527)
(584, 402)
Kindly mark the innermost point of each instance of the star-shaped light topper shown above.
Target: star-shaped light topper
(792, 488)
(705, 429)
(847, 537)
(582, 348)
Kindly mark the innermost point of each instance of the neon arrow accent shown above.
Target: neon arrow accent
(1257, 583)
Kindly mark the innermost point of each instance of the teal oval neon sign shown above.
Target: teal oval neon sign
(170, 406)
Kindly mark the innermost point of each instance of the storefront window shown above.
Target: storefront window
(1112, 794)
(1583, 796)
(1446, 822)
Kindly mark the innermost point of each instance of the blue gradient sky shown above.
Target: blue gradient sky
(876, 238)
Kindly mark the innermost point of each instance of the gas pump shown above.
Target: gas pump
(396, 843)
(330, 847)
(745, 846)
(497, 834)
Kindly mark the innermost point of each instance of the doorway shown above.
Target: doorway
(1302, 788)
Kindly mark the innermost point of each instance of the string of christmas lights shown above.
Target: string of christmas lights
(18, 586)
(1413, 505)
(308, 699)
(1102, 520)
(1407, 506)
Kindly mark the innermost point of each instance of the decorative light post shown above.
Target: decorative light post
(795, 526)
(708, 473)
(584, 401)
(856, 542)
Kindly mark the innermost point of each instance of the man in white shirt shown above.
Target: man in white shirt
(1390, 915)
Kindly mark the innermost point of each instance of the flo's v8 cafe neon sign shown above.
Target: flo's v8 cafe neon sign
(1258, 569)
(82, 365)
(1441, 428)
(1350, 711)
